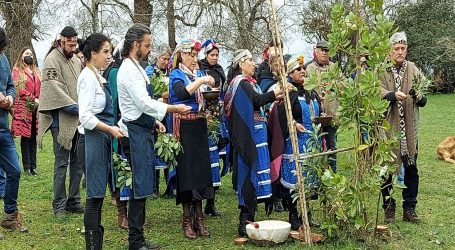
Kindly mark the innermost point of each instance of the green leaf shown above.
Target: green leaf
(128, 182)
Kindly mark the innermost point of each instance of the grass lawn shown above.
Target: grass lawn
(436, 205)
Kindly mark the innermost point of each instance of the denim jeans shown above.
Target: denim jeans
(10, 165)
(2, 182)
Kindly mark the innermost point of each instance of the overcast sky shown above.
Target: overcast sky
(293, 45)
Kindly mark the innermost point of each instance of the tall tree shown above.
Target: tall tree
(430, 29)
(19, 25)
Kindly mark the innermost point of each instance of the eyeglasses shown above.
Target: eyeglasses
(300, 68)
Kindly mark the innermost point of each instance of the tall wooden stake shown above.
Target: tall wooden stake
(292, 131)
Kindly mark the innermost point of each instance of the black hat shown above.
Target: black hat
(322, 44)
(68, 31)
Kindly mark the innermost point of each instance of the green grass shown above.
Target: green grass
(435, 207)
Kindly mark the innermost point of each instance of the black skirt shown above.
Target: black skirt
(194, 175)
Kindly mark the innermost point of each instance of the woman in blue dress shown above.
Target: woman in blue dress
(305, 106)
(194, 177)
(244, 103)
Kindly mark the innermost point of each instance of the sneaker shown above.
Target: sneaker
(28, 172)
(149, 245)
(410, 215)
(13, 222)
(34, 172)
(389, 214)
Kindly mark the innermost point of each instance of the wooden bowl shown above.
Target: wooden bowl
(211, 96)
(382, 228)
(240, 241)
(323, 120)
(315, 238)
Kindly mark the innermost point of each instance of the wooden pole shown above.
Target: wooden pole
(292, 131)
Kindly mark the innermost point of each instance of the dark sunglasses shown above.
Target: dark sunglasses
(300, 68)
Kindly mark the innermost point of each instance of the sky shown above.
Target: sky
(294, 45)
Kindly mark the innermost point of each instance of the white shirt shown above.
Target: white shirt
(132, 94)
(91, 98)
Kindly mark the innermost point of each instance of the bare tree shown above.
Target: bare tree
(19, 25)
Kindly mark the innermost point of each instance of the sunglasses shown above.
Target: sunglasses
(300, 68)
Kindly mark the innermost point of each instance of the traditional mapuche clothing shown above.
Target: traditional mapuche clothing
(305, 106)
(243, 106)
(404, 118)
(58, 111)
(194, 179)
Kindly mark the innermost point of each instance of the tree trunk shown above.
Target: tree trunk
(19, 26)
(170, 15)
(143, 11)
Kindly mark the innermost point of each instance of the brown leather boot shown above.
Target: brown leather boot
(187, 228)
(199, 225)
(13, 222)
(122, 213)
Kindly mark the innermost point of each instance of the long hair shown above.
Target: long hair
(20, 65)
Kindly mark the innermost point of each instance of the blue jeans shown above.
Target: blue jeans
(2, 183)
(10, 165)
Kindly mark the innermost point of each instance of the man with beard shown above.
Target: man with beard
(140, 116)
(58, 111)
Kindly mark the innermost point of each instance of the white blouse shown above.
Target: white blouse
(91, 98)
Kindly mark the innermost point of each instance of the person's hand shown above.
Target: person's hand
(181, 109)
(400, 96)
(209, 80)
(116, 132)
(278, 92)
(160, 127)
(4, 105)
(413, 93)
(2, 97)
(36, 100)
(299, 127)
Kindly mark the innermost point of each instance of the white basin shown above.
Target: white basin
(271, 230)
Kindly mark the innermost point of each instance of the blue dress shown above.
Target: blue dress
(288, 175)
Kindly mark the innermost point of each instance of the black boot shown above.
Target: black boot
(294, 219)
(278, 205)
(94, 239)
(210, 208)
(243, 218)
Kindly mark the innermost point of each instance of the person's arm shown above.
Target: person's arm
(71, 109)
(180, 91)
(258, 99)
(192, 87)
(141, 99)
(86, 91)
(10, 89)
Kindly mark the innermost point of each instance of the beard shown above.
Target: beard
(141, 56)
(68, 55)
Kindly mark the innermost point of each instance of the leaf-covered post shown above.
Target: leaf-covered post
(292, 130)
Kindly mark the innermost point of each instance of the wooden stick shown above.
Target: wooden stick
(292, 131)
(330, 152)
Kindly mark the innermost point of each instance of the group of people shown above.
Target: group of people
(98, 101)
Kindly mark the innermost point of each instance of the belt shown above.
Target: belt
(190, 116)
